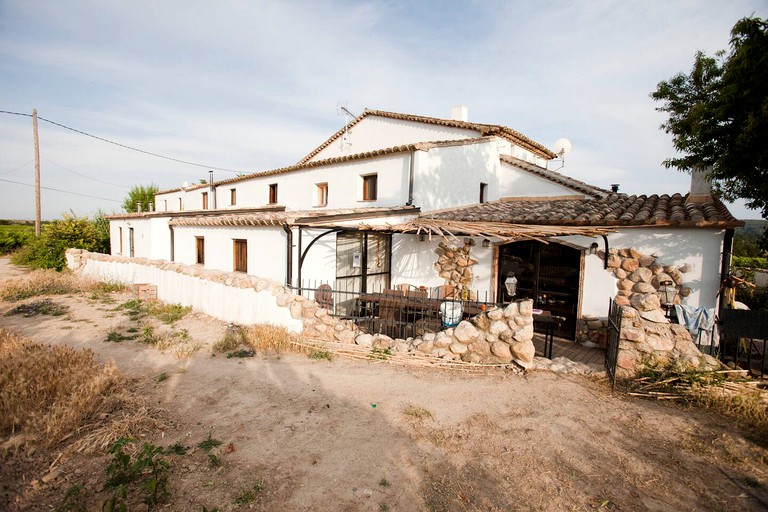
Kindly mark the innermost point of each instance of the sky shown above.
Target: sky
(254, 85)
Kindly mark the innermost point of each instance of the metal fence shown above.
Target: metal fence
(743, 337)
(402, 312)
(612, 348)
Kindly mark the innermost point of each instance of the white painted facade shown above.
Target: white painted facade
(431, 177)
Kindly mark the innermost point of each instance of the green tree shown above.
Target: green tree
(140, 194)
(718, 115)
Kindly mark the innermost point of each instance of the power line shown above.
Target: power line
(18, 168)
(84, 176)
(123, 145)
(64, 191)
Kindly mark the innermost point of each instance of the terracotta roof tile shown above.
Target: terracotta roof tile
(610, 210)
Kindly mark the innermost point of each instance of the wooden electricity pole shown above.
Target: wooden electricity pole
(37, 174)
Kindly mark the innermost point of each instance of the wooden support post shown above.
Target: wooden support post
(37, 175)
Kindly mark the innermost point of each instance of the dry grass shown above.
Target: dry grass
(261, 338)
(744, 403)
(417, 413)
(49, 394)
(44, 282)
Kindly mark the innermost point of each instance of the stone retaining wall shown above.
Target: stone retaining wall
(646, 335)
(496, 336)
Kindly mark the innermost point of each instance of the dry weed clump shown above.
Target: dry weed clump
(44, 282)
(260, 337)
(49, 394)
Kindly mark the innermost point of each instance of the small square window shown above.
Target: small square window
(241, 256)
(233, 196)
(200, 248)
(273, 193)
(369, 187)
(321, 198)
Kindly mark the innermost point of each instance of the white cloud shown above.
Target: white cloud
(253, 85)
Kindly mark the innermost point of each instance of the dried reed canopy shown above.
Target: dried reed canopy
(488, 230)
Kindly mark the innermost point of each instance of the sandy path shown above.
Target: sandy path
(328, 435)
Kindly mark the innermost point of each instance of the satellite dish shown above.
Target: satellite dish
(562, 147)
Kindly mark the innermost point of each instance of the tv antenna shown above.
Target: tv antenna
(562, 149)
(341, 109)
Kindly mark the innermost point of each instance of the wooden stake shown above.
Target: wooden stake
(37, 174)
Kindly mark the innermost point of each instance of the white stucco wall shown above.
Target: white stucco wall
(297, 190)
(142, 237)
(451, 175)
(266, 248)
(413, 262)
(699, 248)
(382, 132)
(240, 305)
(514, 182)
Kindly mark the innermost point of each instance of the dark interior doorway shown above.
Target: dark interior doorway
(546, 273)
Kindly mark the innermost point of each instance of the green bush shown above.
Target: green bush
(13, 237)
(750, 262)
(71, 231)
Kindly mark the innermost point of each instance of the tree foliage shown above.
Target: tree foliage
(718, 115)
(140, 194)
(47, 250)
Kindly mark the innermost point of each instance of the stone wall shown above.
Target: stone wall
(496, 336)
(646, 334)
(454, 264)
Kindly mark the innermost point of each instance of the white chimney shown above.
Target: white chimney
(701, 188)
(459, 113)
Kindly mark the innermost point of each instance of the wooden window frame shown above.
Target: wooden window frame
(205, 200)
(273, 193)
(483, 192)
(200, 250)
(370, 187)
(235, 259)
(321, 194)
(232, 196)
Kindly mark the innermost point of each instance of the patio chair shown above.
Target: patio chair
(324, 296)
(442, 292)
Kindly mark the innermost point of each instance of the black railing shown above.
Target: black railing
(401, 312)
(743, 337)
(612, 349)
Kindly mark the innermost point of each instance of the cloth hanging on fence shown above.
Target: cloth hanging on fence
(700, 322)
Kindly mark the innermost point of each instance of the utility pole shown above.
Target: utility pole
(37, 174)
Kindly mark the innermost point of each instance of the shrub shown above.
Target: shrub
(48, 250)
(750, 262)
(13, 237)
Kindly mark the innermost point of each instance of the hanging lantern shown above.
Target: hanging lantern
(667, 292)
(511, 284)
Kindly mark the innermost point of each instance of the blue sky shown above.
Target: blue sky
(254, 85)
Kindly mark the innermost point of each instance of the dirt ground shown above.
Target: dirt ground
(348, 435)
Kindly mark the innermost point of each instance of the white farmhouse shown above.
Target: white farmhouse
(369, 208)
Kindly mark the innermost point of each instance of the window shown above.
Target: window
(241, 256)
(232, 196)
(273, 193)
(130, 242)
(165, 205)
(205, 200)
(200, 246)
(121, 240)
(369, 187)
(321, 198)
(483, 192)
(181, 207)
